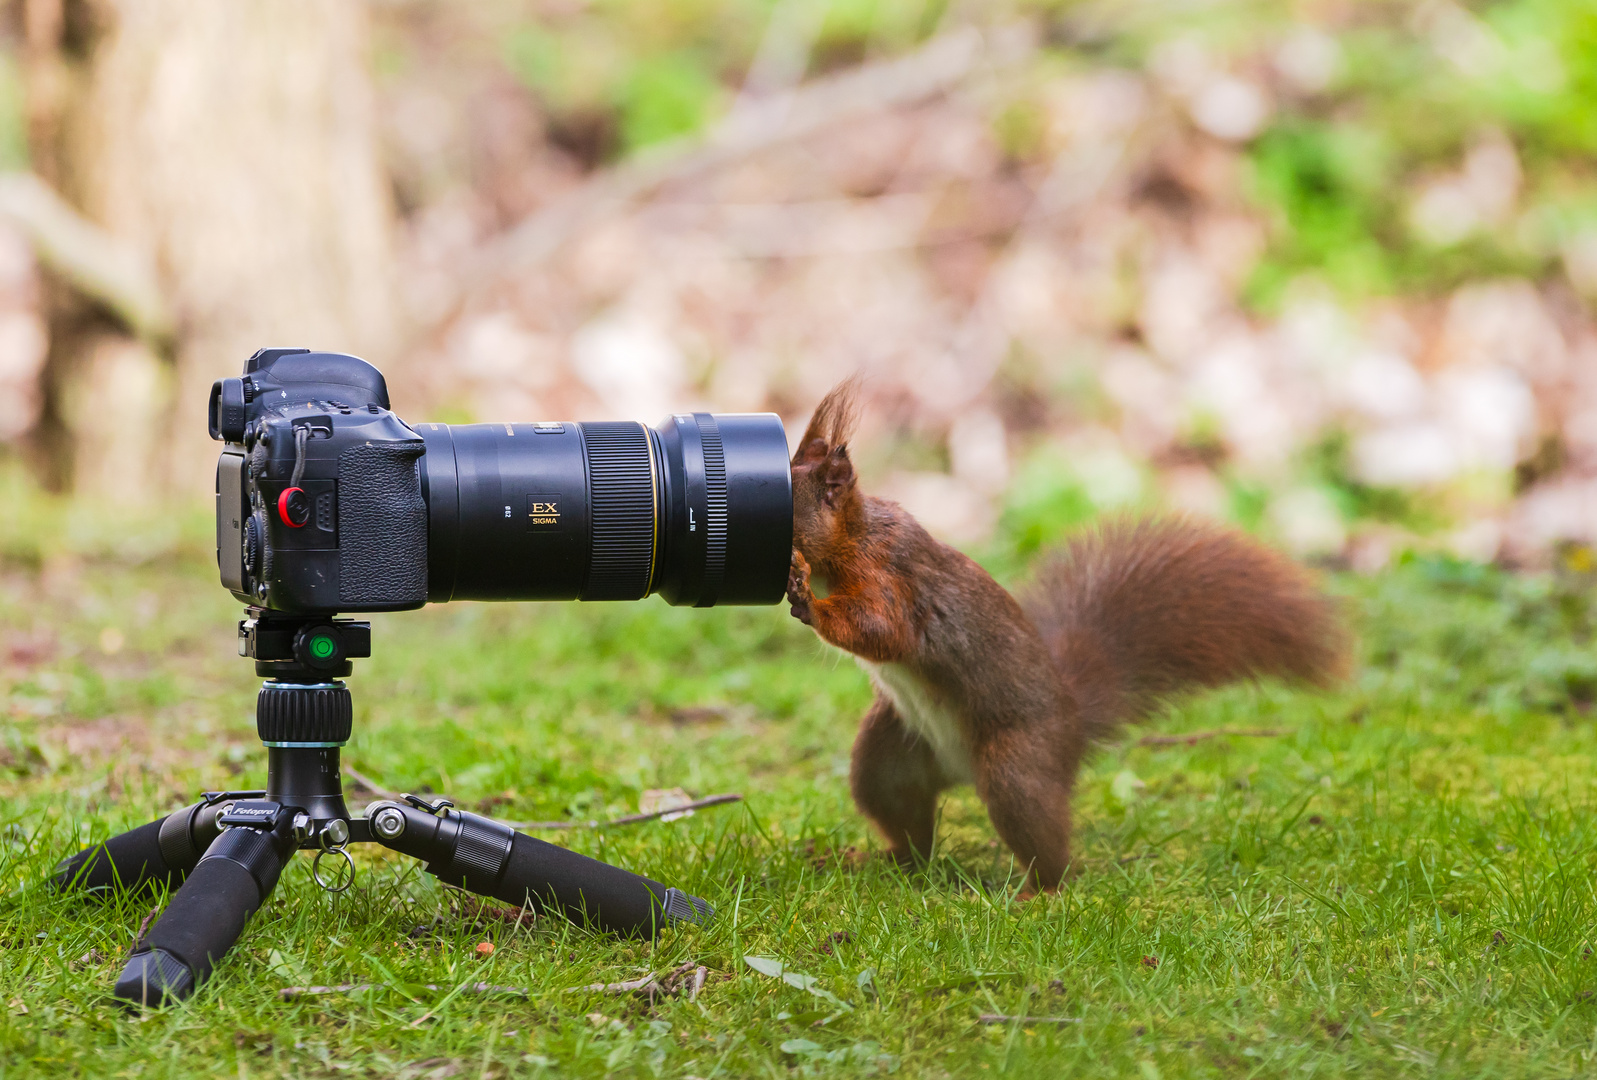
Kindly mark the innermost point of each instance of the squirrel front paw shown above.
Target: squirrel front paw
(798, 588)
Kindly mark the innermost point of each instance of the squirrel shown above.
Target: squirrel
(976, 686)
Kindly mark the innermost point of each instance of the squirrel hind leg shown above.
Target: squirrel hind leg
(1028, 801)
(895, 780)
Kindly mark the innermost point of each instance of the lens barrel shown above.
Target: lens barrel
(698, 509)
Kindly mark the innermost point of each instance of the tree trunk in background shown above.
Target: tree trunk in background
(235, 143)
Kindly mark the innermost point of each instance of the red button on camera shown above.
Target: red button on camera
(294, 507)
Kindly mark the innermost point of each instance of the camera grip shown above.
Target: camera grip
(382, 525)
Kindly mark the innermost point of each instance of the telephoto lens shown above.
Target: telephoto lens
(698, 509)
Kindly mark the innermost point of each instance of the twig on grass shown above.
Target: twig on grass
(362, 780)
(1193, 738)
(1004, 1018)
(372, 786)
(289, 993)
(138, 938)
(690, 975)
(630, 819)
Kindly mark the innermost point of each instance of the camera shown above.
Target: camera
(326, 501)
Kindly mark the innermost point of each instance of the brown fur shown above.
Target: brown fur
(1119, 619)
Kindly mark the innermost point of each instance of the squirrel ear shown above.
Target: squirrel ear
(812, 451)
(837, 473)
(831, 425)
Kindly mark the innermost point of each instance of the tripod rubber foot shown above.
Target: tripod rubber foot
(683, 907)
(152, 979)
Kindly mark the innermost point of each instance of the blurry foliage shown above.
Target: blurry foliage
(653, 72)
(1327, 464)
(1337, 170)
(663, 97)
(13, 115)
(1046, 500)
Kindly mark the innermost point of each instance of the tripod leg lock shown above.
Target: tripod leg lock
(489, 858)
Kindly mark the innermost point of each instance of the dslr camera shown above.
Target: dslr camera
(326, 501)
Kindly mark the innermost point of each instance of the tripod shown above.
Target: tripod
(228, 850)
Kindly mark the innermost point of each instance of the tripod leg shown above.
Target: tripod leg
(159, 852)
(490, 858)
(207, 915)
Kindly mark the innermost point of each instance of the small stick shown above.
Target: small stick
(289, 993)
(138, 938)
(372, 786)
(616, 988)
(630, 819)
(367, 782)
(1001, 1018)
(1198, 736)
(650, 983)
(700, 973)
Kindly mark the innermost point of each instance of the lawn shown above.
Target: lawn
(1397, 880)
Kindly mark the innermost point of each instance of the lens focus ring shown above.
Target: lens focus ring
(715, 507)
(622, 489)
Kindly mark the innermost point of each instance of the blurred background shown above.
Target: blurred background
(1326, 269)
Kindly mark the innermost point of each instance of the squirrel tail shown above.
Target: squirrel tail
(1135, 611)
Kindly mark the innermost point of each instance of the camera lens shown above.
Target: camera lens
(698, 509)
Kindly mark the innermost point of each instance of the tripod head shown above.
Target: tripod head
(302, 648)
(303, 713)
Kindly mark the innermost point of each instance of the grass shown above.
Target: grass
(1399, 882)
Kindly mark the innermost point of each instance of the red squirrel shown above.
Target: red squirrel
(975, 686)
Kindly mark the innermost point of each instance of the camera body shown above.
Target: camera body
(319, 490)
(326, 501)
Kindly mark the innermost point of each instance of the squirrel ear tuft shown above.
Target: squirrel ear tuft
(831, 425)
(837, 473)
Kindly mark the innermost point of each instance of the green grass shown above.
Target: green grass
(1399, 882)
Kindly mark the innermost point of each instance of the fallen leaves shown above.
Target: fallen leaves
(775, 969)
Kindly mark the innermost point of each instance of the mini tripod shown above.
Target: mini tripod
(228, 849)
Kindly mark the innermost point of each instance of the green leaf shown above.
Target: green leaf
(765, 965)
(775, 969)
(800, 1046)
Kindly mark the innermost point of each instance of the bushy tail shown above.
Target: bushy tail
(1137, 610)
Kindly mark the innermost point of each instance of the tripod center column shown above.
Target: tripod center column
(303, 726)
